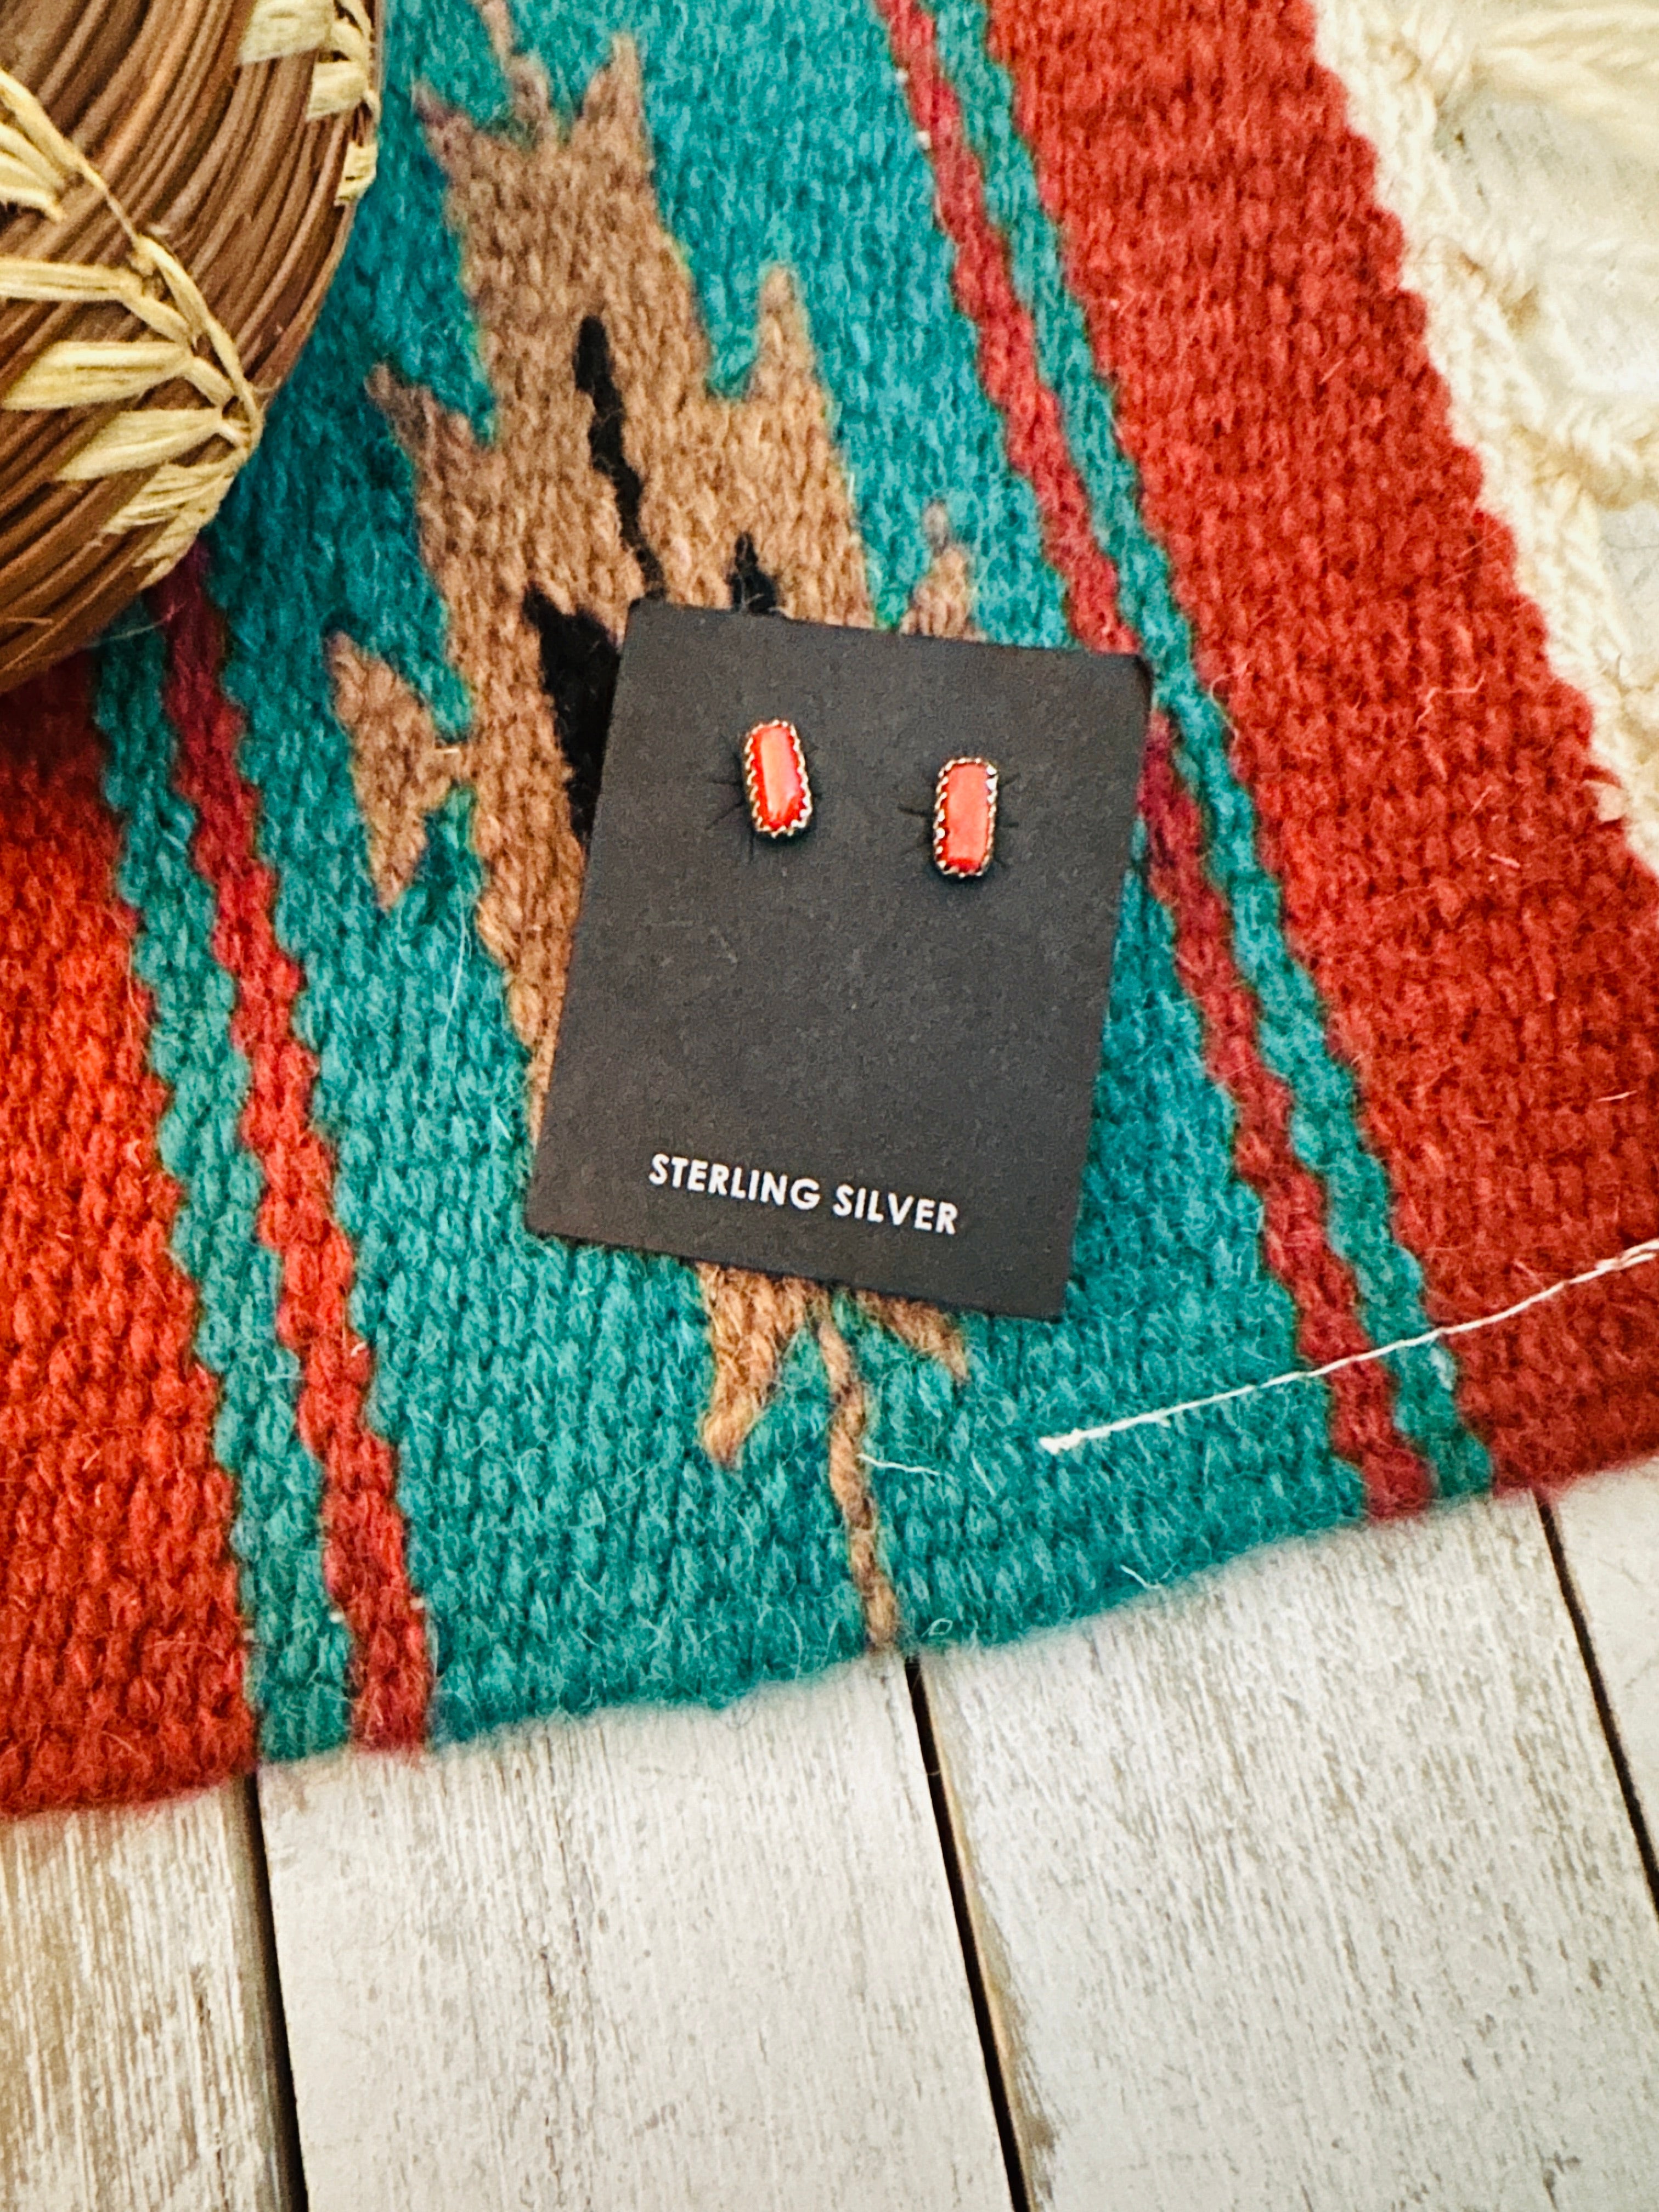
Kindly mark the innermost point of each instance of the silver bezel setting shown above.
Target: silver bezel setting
(760, 827)
(964, 760)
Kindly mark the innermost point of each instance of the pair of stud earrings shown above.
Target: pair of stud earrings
(779, 791)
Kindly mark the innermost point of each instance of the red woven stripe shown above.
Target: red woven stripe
(1320, 1284)
(1007, 343)
(363, 1558)
(121, 1649)
(1489, 950)
(1396, 1477)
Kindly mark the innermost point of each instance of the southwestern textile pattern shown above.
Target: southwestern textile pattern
(1106, 323)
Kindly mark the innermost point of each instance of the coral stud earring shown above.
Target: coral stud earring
(775, 780)
(965, 817)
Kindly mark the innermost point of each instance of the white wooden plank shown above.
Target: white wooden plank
(661, 1958)
(136, 2062)
(1310, 1885)
(1609, 1531)
(1554, 184)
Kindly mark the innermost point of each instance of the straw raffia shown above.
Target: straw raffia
(180, 179)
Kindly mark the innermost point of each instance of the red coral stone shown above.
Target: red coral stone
(965, 817)
(775, 780)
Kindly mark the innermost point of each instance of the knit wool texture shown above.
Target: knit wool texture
(1096, 326)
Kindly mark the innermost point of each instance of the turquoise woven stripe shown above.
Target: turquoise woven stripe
(300, 1648)
(1325, 1124)
(985, 1533)
(569, 1539)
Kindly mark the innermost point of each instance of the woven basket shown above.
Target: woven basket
(178, 178)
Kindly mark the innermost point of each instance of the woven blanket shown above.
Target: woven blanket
(1091, 325)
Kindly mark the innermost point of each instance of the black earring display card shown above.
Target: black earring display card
(820, 1056)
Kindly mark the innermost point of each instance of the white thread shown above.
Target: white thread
(1637, 1255)
(1548, 447)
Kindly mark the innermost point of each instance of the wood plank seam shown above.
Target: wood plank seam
(979, 1987)
(1634, 1809)
(290, 2160)
(136, 2060)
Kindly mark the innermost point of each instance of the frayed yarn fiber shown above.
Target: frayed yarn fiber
(1110, 325)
